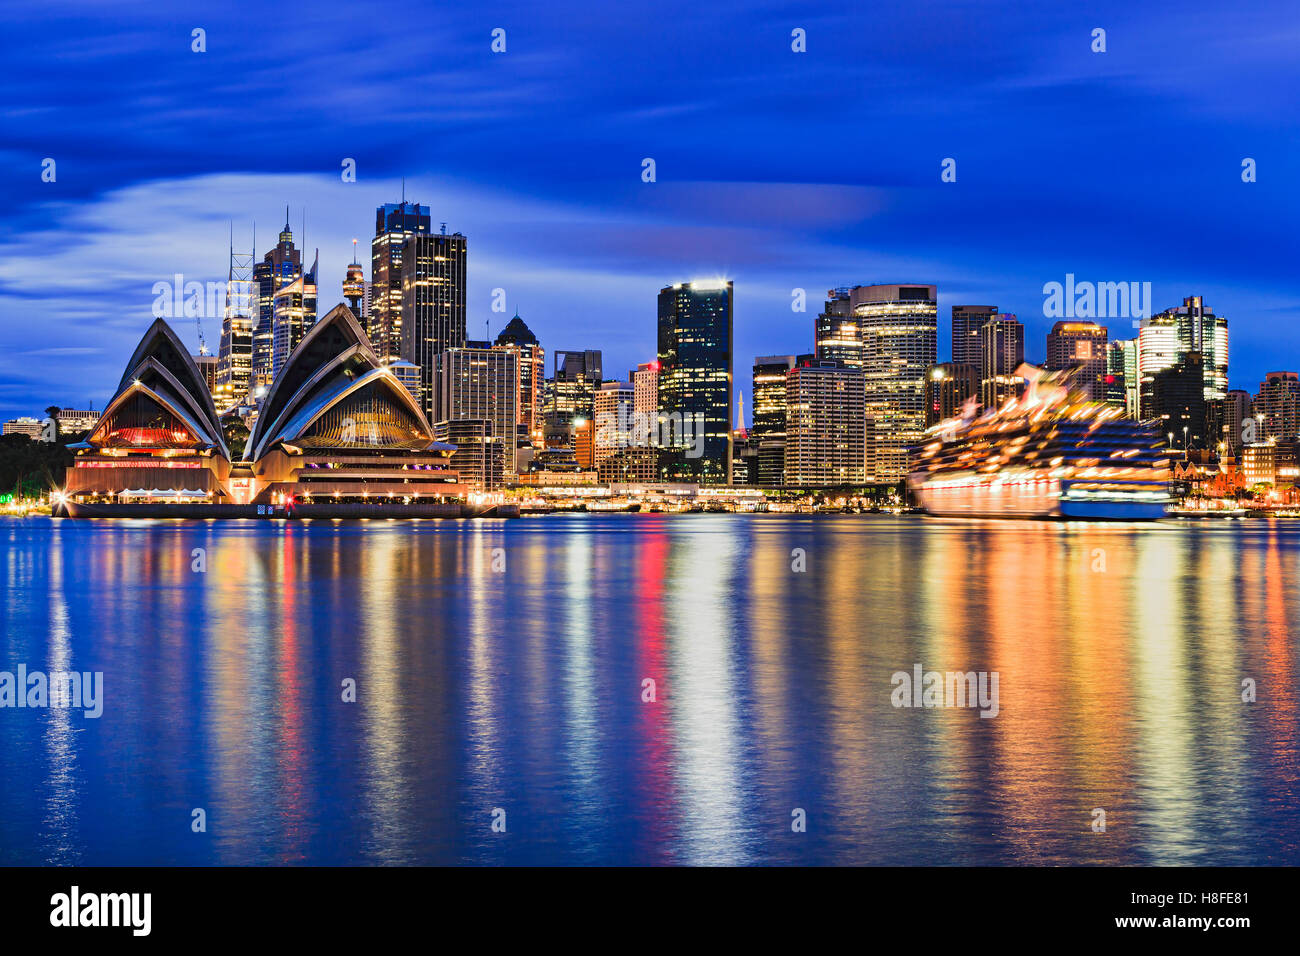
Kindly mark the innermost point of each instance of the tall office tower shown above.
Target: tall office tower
(768, 411)
(1178, 402)
(825, 413)
(900, 338)
(235, 353)
(1237, 408)
(278, 268)
(481, 382)
(1002, 350)
(433, 305)
(293, 313)
(1277, 407)
(1080, 345)
(1168, 336)
(612, 407)
(532, 371)
(1158, 349)
(577, 376)
(838, 334)
(645, 387)
(354, 289)
(1122, 376)
(966, 323)
(695, 341)
(395, 223)
(948, 387)
(208, 369)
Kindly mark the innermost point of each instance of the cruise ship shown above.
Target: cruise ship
(1050, 453)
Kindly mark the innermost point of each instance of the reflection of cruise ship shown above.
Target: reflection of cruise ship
(1049, 453)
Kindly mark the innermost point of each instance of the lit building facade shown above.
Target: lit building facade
(838, 332)
(480, 382)
(1081, 345)
(280, 267)
(948, 387)
(899, 346)
(967, 320)
(1122, 376)
(1277, 407)
(293, 313)
(338, 426)
(159, 438)
(532, 374)
(695, 355)
(573, 386)
(612, 406)
(395, 223)
(769, 413)
(432, 316)
(1002, 351)
(825, 425)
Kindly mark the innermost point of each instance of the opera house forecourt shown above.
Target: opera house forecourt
(337, 435)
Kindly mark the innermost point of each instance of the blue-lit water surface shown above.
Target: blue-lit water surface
(1120, 650)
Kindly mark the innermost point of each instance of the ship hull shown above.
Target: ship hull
(1034, 499)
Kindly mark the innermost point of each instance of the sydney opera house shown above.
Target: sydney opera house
(337, 429)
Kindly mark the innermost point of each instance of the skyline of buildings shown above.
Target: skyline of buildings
(415, 306)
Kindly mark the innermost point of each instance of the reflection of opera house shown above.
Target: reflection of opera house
(336, 427)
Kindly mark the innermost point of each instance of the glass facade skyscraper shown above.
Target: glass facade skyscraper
(695, 351)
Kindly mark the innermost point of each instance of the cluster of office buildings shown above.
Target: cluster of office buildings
(847, 413)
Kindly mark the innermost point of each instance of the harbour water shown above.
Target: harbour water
(502, 666)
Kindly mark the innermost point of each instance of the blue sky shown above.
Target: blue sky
(778, 170)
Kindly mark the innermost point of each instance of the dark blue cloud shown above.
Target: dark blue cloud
(780, 170)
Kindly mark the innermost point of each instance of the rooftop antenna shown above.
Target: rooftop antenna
(354, 252)
(403, 190)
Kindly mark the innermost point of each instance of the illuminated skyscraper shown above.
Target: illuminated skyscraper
(532, 372)
(573, 386)
(1080, 344)
(478, 381)
(838, 333)
(1167, 337)
(1277, 407)
(695, 341)
(293, 313)
(235, 352)
(948, 387)
(645, 386)
(1002, 351)
(612, 406)
(1122, 376)
(395, 223)
(432, 314)
(279, 268)
(825, 425)
(966, 323)
(899, 346)
(768, 433)
(354, 289)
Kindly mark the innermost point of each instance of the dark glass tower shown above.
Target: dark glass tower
(695, 346)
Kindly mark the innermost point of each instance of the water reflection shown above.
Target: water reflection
(502, 665)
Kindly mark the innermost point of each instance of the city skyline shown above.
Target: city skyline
(557, 211)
